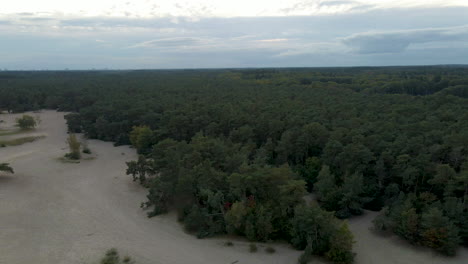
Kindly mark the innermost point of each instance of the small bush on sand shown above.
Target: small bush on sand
(228, 244)
(26, 122)
(86, 150)
(253, 248)
(6, 167)
(74, 146)
(112, 257)
(270, 250)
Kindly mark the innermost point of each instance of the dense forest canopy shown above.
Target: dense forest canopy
(235, 150)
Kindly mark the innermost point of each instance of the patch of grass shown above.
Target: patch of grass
(65, 160)
(19, 141)
(270, 250)
(253, 248)
(228, 244)
(14, 132)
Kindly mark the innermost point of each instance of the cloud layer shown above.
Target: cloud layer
(399, 41)
(363, 35)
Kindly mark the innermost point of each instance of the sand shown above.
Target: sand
(54, 212)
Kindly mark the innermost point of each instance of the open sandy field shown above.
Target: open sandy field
(54, 212)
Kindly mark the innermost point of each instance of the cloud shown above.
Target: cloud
(399, 41)
(418, 36)
(169, 43)
(309, 7)
(337, 3)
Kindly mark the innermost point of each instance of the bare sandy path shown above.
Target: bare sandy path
(53, 212)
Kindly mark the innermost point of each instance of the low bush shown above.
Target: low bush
(270, 250)
(253, 248)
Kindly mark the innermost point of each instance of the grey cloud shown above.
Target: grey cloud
(168, 43)
(350, 5)
(337, 3)
(175, 42)
(25, 14)
(38, 19)
(399, 41)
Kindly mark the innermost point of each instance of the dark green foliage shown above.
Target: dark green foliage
(26, 122)
(73, 123)
(319, 233)
(6, 167)
(86, 150)
(234, 150)
(112, 257)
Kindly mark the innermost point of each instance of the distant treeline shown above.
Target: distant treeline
(234, 151)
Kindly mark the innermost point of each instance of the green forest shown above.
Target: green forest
(235, 151)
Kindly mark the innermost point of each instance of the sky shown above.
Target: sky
(157, 34)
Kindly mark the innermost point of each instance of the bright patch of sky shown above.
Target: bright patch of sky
(208, 8)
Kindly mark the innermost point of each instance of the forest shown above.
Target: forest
(234, 151)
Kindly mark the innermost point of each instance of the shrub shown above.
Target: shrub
(26, 122)
(228, 244)
(270, 250)
(112, 257)
(253, 248)
(74, 146)
(86, 150)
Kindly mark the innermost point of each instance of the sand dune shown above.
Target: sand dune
(53, 212)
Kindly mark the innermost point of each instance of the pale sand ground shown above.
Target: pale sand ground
(53, 212)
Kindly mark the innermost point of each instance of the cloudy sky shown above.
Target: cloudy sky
(142, 34)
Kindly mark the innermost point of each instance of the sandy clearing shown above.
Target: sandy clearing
(54, 212)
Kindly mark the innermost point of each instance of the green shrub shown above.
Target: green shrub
(112, 257)
(86, 150)
(253, 248)
(26, 122)
(270, 250)
(74, 146)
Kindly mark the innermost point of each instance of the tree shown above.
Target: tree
(328, 192)
(352, 201)
(73, 123)
(341, 246)
(26, 122)
(319, 233)
(310, 171)
(407, 223)
(439, 232)
(5, 167)
(443, 179)
(141, 138)
(462, 180)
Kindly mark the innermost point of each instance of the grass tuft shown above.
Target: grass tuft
(19, 141)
